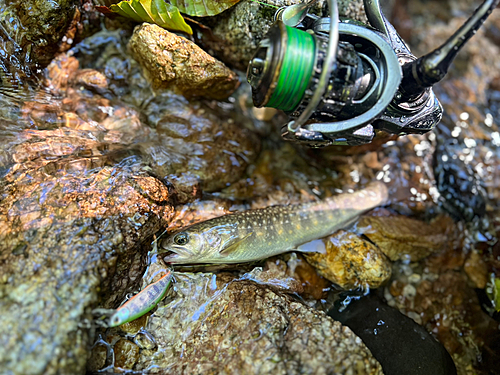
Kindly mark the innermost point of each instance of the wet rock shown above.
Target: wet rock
(171, 61)
(91, 79)
(402, 346)
(197, 211)
(45, 24)
(282, 175)
(64, 72)
(107, 53)
(402, 164)
(292, 275)
(98, 357)
(82, 189)
(61, 72)
(76, 233)
(351, 262)
(214, 324)
(314, 286)
(134, 326)
(236, 33)
(466, 162)
(145, 340)
(476, 269)
(276, 275)
(74, 208)
(196, 145)
(126, 354)
(401, 237)
(34, 31)
(460, 188)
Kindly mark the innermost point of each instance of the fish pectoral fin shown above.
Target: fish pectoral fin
(232, 244)
(316, 246)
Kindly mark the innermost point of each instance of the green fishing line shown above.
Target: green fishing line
(296, 71)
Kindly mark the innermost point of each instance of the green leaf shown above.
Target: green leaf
(152, 11)
(203, 8)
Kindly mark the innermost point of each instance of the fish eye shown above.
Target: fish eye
(181, 238)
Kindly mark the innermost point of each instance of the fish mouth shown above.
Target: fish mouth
(169, 256)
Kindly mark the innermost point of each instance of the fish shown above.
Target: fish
(142, 302)
(255, 235)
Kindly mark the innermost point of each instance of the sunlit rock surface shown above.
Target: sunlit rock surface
(351, 262)
(79, 196)
(68, 228)
(173, 62)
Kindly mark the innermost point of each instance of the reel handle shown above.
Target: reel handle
(431, 68)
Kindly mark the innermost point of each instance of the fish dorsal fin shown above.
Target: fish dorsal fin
(232, 243)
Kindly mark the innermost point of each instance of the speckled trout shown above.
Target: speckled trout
(258, 234)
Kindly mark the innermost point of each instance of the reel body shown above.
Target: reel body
(341, 81)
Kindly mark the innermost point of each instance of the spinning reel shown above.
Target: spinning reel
(340, 81)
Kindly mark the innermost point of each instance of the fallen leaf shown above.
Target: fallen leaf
(203, 8)
(153, 11)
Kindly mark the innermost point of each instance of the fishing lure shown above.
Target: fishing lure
(142, 302)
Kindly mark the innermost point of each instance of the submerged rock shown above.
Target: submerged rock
(351, 262)
(199, 143)
(220, 325)
(171, 61)
(446, 306)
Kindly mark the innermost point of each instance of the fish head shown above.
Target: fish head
(199, 243)
(119, 317)
(188, 246)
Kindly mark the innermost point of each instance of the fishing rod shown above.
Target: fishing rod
(341, 81)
